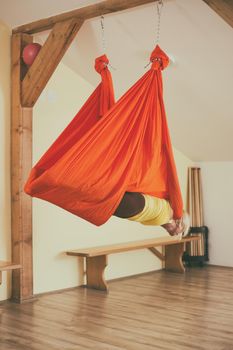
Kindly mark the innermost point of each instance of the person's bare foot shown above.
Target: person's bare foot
(174, 227)
(180, 227)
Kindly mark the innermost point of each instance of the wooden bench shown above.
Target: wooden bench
(7, 265)
(97, 257)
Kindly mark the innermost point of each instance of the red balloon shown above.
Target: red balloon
(30, 52)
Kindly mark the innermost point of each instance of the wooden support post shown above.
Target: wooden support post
(21, 159)
(48, 59)
(28, 91)
(95, 267)
(173, 257)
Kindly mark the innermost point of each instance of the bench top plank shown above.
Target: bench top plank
(8, 265)
(127, 246)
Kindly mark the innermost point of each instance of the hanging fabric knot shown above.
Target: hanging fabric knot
(106, 98)
(101, 63)
(159, 59)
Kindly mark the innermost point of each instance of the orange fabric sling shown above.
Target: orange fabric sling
(95, 161)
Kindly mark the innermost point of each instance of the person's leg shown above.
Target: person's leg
(131, 204)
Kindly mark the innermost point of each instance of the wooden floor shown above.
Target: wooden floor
(156, 311)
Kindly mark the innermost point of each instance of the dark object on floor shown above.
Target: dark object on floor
(196, 252)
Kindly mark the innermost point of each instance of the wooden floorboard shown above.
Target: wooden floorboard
(161, 310)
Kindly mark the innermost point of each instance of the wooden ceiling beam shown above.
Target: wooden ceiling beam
(223, 8)
(83, 13)
(47, 60)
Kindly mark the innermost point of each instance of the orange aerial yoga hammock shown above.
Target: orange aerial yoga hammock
(96, 160)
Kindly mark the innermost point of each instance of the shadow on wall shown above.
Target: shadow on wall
(5, 232)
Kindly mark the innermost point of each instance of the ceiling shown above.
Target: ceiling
(198, 84)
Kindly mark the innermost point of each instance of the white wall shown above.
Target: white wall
(217, 180)
(5, 238)
(55, 230)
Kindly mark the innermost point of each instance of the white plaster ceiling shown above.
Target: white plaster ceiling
(198, 85)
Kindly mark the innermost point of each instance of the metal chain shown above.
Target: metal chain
(103, 39)
(103, 33)
(159, 6)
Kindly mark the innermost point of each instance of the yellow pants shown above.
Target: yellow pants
(156, 212)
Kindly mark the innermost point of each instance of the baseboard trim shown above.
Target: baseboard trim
(220, 266)
(37, 295)
(134, 276)
(59, 291)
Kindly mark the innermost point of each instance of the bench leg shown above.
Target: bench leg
(173, 257)
(95, 267)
